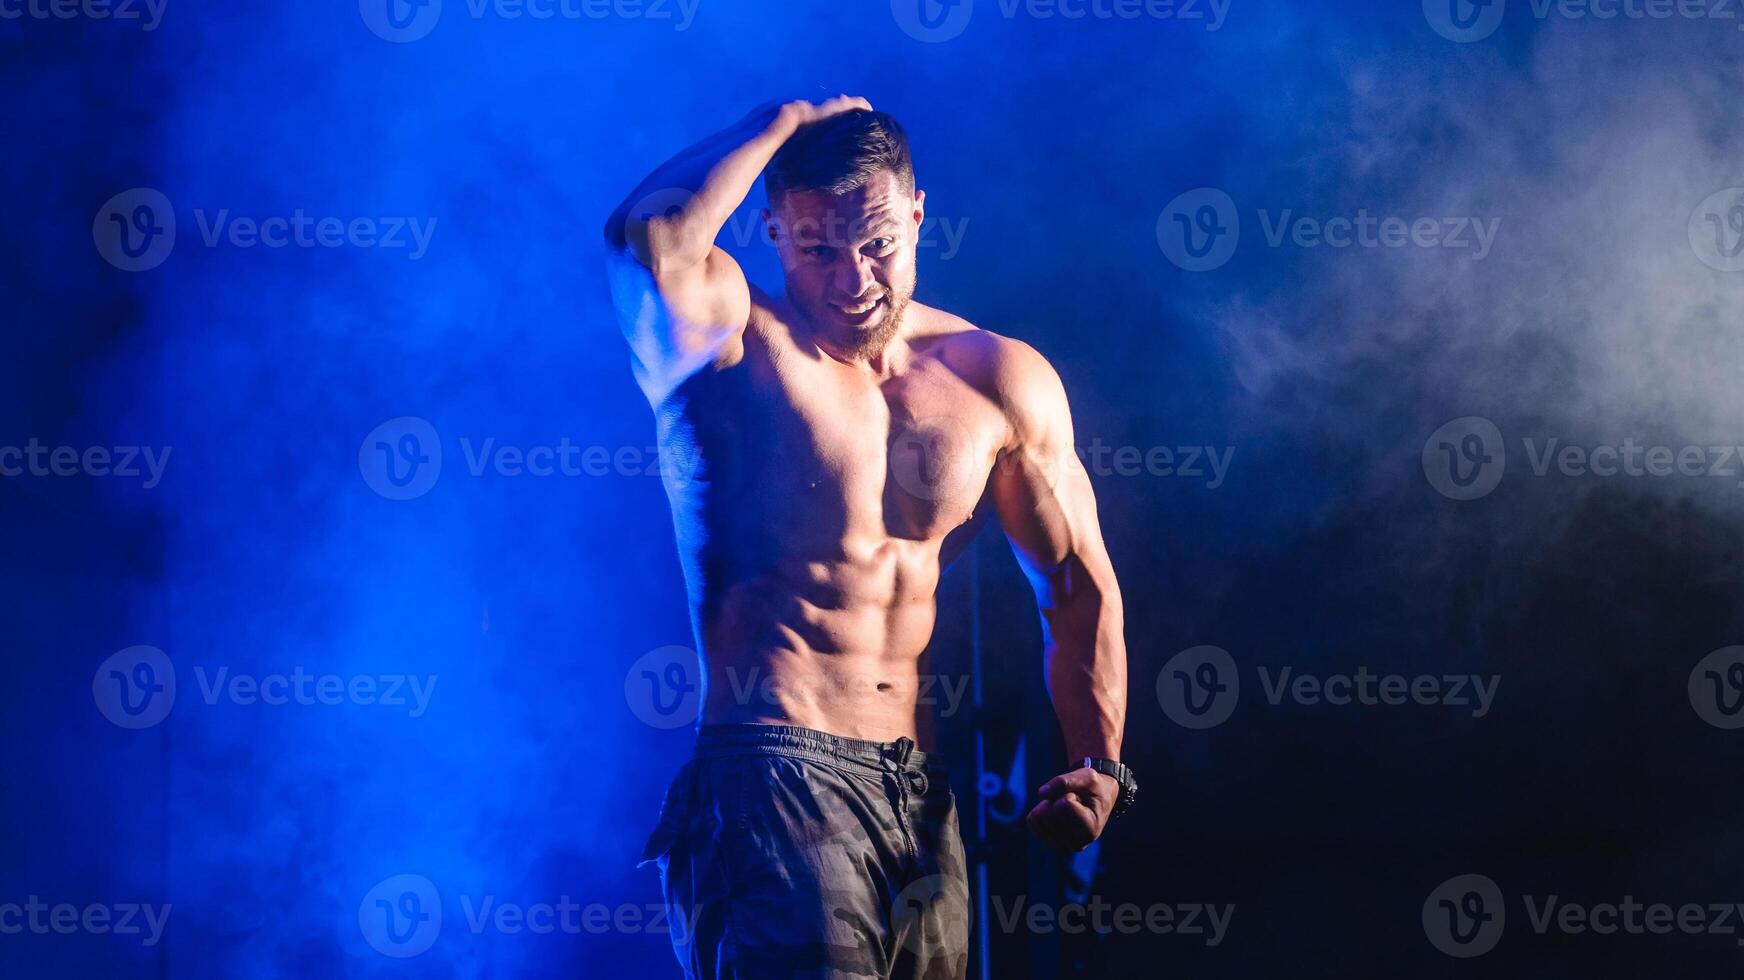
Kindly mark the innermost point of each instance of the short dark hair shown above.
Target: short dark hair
(839, 155)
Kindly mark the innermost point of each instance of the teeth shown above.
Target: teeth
(857, 310)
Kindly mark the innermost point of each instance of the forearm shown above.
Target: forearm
(1086, 666)
(711, 179)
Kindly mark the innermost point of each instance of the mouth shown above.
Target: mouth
(860, 313)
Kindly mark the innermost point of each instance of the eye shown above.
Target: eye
(880, 244)
(817, 251)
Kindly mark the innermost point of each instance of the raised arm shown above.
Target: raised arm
(682, 301)
(1048, 509)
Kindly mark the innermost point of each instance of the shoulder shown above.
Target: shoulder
(1008, 371)
(990, 361)
(980, 355)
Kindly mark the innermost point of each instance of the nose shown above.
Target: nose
(854, 277)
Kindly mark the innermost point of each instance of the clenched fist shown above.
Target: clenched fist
(1073, 809)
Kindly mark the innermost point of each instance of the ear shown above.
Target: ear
(769, 230)
(919, 207)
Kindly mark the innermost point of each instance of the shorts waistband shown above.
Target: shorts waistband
(897, 756)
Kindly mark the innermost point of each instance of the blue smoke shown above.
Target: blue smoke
(489, 147)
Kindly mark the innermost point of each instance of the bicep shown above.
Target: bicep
(1043, 494)
(1047, 508)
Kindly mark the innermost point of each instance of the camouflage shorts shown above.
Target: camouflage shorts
(791, 853)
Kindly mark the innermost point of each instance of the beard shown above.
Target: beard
(872, 338)
(862, 340)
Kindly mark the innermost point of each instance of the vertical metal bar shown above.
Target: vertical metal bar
(980, 842)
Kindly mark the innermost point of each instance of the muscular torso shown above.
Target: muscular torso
(816, 505)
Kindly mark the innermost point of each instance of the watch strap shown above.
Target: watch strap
(1121, 774)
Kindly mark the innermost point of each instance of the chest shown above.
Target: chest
(909, 455)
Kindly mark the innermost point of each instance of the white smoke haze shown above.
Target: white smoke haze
(1592, 320)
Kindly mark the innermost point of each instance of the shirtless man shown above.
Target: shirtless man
(839, 446)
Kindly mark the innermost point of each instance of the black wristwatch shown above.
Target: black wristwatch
(1122, 775)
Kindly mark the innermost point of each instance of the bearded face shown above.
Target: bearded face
(849, 259)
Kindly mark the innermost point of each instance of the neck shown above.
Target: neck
(878, 354)
(880, 358)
